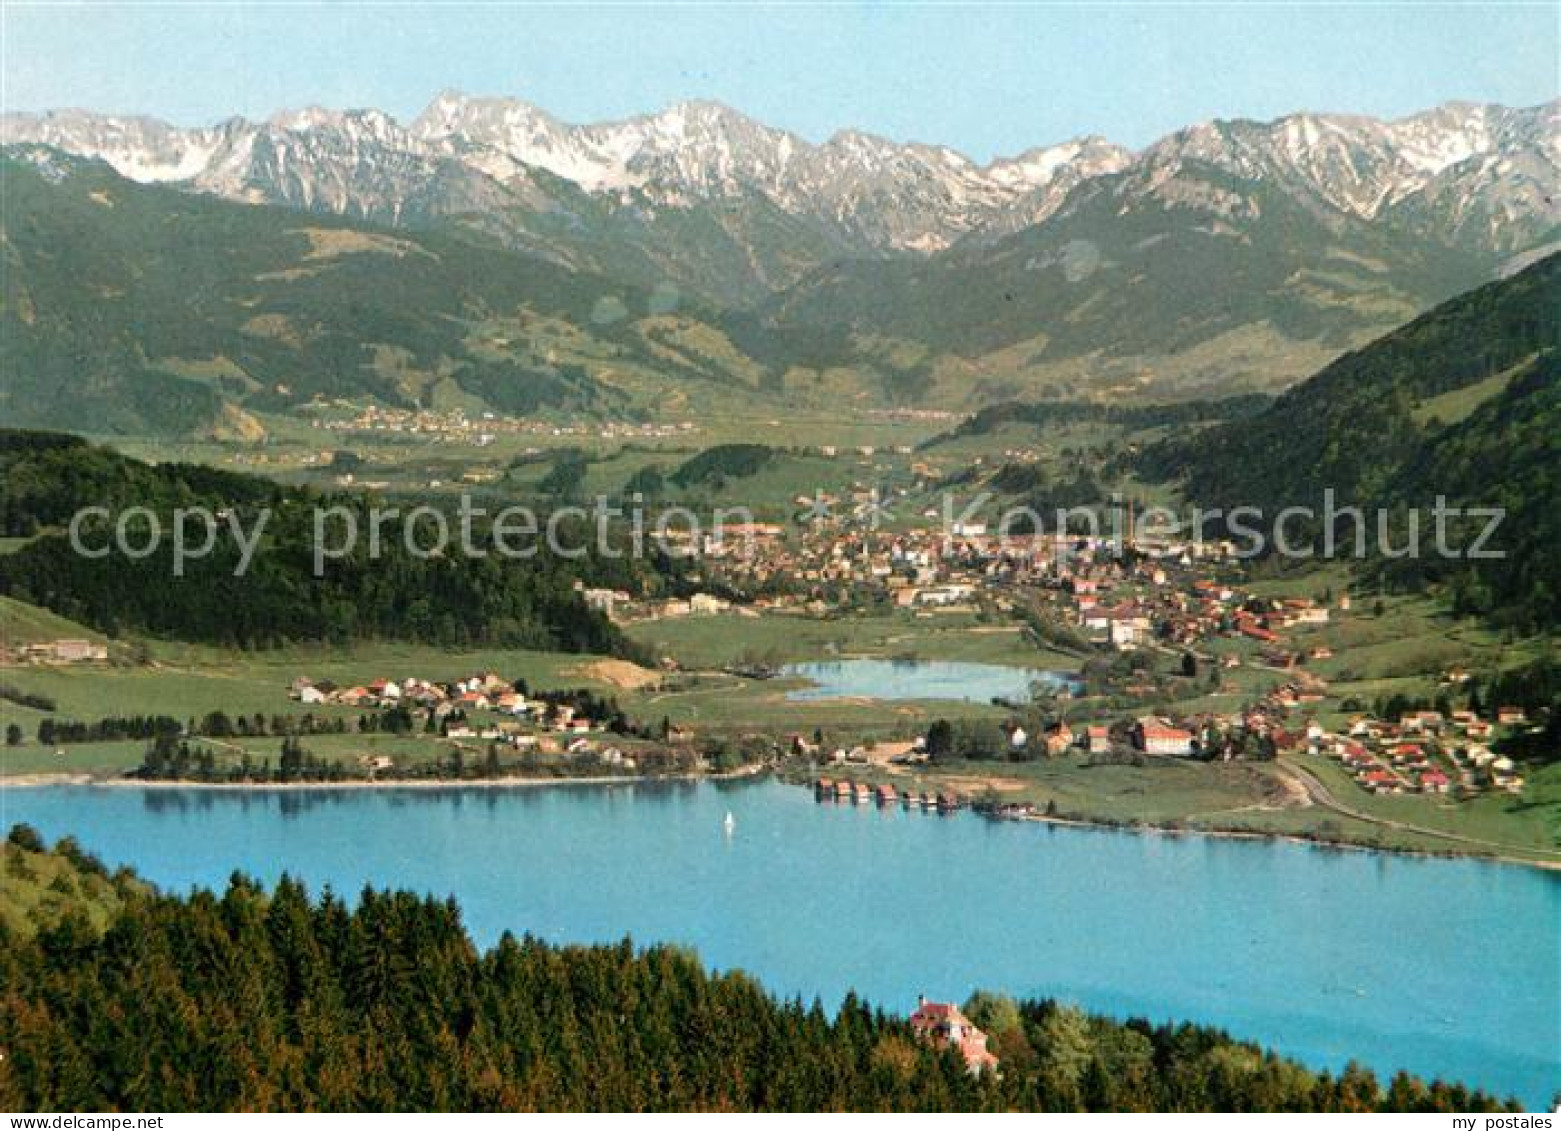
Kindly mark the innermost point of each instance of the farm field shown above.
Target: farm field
(776, 638)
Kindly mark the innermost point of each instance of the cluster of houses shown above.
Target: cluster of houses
(483, 692)
(1207, 735)
(1169, 600)
(1156, 735)
(1151, 735)
(482, 706)
(456, 425)
(54, 652)
(620, 605)
(925, 570)
(944, 567)
(1424, 752)
(1162, 593)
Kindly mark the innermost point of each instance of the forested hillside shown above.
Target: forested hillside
(1460, 403)
(1041, 415)
(449, 599)
(273, 1000)
(1506, 454)
(45, 477)
(726, 461)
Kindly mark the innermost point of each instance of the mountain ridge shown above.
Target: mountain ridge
(868, 195)
(1229, 257)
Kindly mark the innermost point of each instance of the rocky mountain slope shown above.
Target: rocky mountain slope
(1227, 244)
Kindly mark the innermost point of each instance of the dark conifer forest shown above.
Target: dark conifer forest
(450, 599)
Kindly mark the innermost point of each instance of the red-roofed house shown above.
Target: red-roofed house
(1381, 781)
(944, 1024)
(1408, 754)
(1156, 737)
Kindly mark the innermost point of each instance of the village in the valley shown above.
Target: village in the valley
(1152, 629)
(1177, 683)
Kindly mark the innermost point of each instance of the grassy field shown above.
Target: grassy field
(87, 759)
(115, 759)
(716, 641)
(1256, 798)
(189, 681)
(185, 680)
(21, 623)
(1161, 791)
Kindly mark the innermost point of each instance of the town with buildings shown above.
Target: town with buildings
(1160, 604)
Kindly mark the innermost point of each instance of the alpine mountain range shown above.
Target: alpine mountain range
(1230, 255)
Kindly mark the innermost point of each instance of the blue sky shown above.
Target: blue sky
(984, 79)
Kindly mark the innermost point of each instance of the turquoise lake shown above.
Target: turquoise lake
(1443, 967)
(918, 679)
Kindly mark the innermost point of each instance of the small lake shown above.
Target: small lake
(919, 679)
(1443, 967)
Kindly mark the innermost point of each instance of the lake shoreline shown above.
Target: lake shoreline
(34, 781)
(1151, 829)
(1288, 838)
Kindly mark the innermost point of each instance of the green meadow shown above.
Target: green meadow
(717, 641)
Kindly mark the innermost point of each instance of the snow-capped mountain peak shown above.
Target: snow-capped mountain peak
(1357, 165)
(1469, 170)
